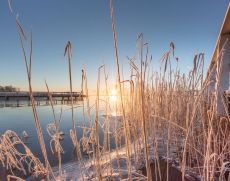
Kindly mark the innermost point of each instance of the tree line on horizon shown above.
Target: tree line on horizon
(9, 88)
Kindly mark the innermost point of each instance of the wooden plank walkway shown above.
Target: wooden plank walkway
(39, 95)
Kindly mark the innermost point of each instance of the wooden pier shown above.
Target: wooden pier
(19, 97)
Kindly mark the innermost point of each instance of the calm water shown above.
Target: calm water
(19, 119)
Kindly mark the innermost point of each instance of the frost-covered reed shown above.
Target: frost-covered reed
(158, 113)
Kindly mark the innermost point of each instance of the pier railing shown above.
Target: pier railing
(11, 95)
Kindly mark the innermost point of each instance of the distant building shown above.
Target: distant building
(220, 67)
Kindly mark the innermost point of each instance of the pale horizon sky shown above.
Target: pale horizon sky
(192, 26)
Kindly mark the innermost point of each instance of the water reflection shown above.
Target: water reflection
(20, 119)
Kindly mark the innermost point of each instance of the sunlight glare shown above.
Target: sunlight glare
(114, 95)
(114, 92)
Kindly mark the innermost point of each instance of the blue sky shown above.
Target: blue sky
(192, 26)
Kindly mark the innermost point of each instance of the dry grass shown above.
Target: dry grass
(163, 114)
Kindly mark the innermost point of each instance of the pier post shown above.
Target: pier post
(225, 73)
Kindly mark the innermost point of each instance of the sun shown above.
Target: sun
(114, 92)
(113, 95)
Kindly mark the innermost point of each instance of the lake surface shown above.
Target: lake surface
(19, 119)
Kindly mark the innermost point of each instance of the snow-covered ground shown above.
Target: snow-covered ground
(74, 171)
